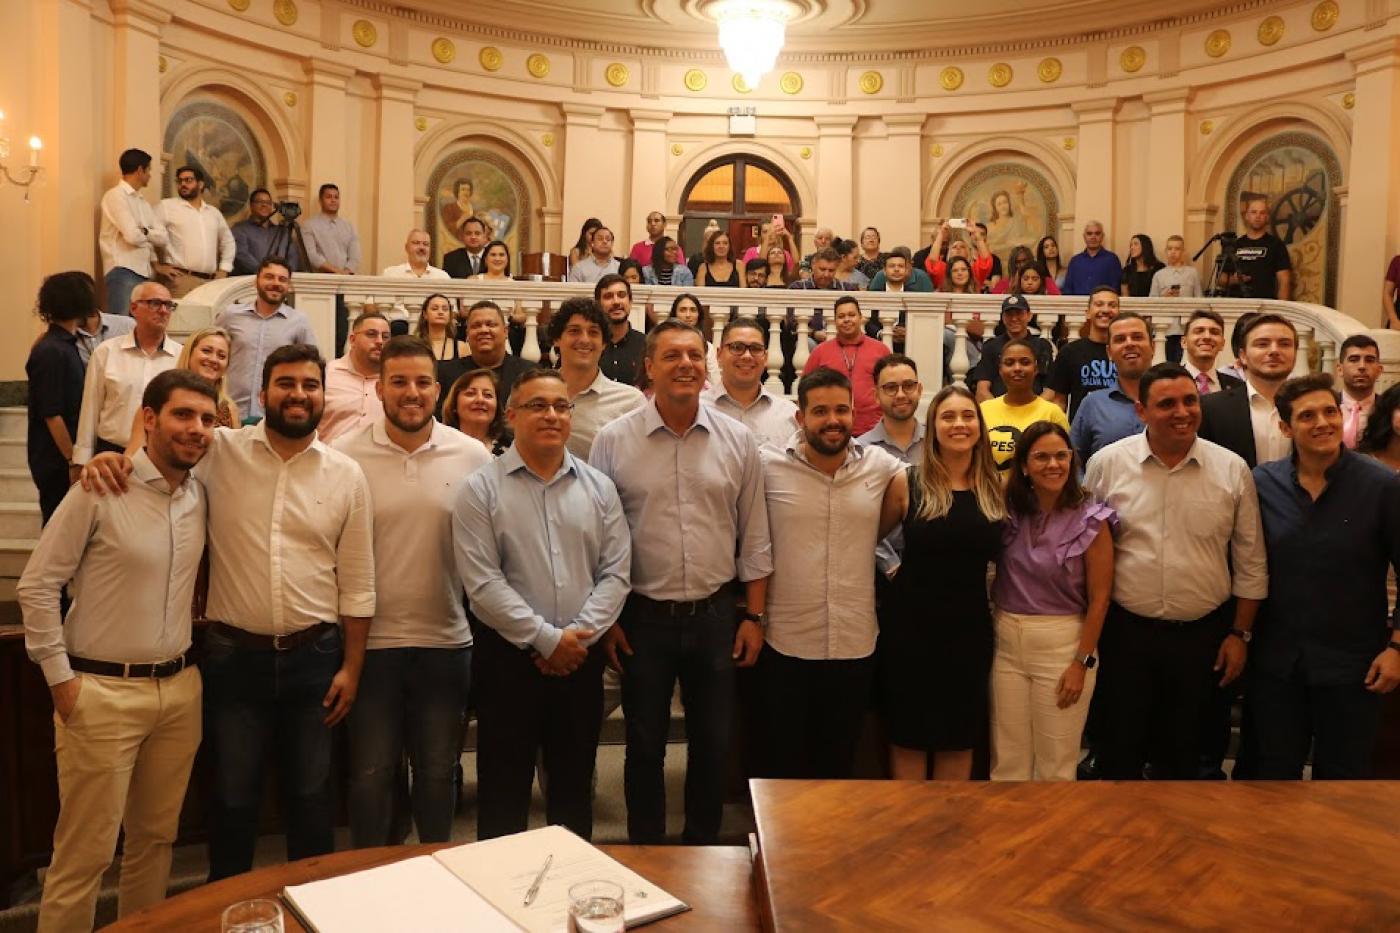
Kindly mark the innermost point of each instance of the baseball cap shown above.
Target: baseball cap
(1015, 303)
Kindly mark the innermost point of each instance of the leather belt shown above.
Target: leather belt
(675, 608)
(120, 669)
(199, 275)
(256, 642)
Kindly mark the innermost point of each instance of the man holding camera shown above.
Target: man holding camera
(1263, 268)
(255, 237)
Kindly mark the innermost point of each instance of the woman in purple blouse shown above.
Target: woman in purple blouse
(1054, 578)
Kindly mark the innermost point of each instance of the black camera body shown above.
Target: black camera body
(290, 210)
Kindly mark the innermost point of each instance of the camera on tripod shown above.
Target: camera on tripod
(290, 210)
(1224, 277)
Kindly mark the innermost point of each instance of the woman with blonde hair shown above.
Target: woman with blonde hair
(205, 354)
(936, 638)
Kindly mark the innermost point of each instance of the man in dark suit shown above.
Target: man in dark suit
(1201, 345)
(1243, 419)
(470, 258)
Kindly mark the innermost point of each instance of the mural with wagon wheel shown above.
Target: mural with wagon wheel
(1299, 174)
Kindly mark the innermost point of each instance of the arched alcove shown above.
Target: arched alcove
(736, 193)
(1019, 194)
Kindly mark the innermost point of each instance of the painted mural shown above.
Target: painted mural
(1015, 201)
(216, 140)
(474, 182)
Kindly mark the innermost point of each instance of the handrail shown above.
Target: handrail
(1321, 330)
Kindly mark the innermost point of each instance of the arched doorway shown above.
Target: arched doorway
(736, 193)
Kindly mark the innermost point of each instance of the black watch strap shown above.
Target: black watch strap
(1394, 645)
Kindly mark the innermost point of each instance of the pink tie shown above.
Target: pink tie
(1203, 383)
(1352, 426)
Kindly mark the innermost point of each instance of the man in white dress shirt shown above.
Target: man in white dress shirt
(829, 502)
(119, 370)
(577, 329)
(199, 245)
(130, 231)
(127, 712)
(417, 248)
(743, 359)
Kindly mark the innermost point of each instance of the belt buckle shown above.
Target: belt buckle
(276, 642)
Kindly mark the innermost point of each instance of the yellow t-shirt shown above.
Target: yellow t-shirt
(1006, 422)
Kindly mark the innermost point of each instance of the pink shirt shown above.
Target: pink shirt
(857, 362)
(641, 251)
(351, 401)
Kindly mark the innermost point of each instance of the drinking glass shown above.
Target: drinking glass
(596, 907)
(255, 916)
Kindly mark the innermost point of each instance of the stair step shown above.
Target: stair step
(13, 453)
(16, 485)
(14, 554)
(19, 520)
(14, 422)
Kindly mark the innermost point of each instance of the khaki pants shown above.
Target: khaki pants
(1032, 738)
(124, 759)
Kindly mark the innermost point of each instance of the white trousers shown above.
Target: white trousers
(1032, 738)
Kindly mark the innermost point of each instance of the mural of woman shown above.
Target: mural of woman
(454, 213)
(1013, 224)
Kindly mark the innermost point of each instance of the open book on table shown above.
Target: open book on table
(479, 887)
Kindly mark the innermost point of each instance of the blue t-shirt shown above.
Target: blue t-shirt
(1086, 273)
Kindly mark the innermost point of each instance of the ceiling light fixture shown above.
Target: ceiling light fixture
(751, 33)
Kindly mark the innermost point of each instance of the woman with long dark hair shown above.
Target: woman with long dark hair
(1381, 437)
(1047, 253)
(665, 268)
(719, 267)
(1141, 266)
(581, 248)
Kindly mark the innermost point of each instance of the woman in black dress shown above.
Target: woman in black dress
(936, 639)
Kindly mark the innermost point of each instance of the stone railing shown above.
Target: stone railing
(1321, 330)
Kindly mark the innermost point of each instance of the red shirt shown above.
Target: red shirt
(981, 268)
(857, 362)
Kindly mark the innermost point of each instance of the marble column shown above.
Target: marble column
(393, 214)
(67, 112)
(1167, 165)
(581, 195)
(835, 207)
(1093, 182)
(327, 153)
(648, 191)
(136, 80)
(1372, 224)
(905, 149)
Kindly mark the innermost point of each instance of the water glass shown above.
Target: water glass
(255, 916)
(596, 907)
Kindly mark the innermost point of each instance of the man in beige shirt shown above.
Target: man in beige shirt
(352, 381)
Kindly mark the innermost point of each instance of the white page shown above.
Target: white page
(415, 894)
(503, 869)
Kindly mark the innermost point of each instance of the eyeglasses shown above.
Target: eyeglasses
(539, 406)
(739, 349)
(1041, 458)
(908, 387)
(159, 303)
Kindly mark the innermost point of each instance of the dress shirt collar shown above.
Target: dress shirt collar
(1366, 405)
(252, 308)
(61, 333)
(878, 435)
(1116, 392)
(128, 342)
(381, 438)
(260, 435)
(763, 399)
(512, 462)
(126, 187)
(599, 383)
(343, 364)
(144, 470)
(1256, 398)
(653, 423)
(1143, 452)
(1331, 473)
(1194, 370)
(797, 451)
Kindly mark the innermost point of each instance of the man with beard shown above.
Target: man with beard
(656, 228)
(468, 259)
(124, 759)
(828, 501)
(413, 691)
(259, 328)
(254, 238)
(622, 357)
(199, 245)
(740, 393)
(1111, 415)
(486, 336)
(1359, 365)
(352, 381)
(853, 354)
(291, 595)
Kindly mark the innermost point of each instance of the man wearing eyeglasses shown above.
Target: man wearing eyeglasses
(899, 433)
(545, 556)
(742, 361)
(119, 370)
(255, 237)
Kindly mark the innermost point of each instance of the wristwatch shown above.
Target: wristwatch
(1088, 661)
(1242, 635)
(761, 618)
(1394, 645)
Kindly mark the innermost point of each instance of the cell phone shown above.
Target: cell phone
(779, 224)
(958, 223)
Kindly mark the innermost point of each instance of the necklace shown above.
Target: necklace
(850, 361)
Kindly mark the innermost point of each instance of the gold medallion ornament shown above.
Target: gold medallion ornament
(999, 75)
(1218, 43)
(163, 64)
(695, 80)
(617, 74)
(805, 152)
(1324, 16)
(1069, 143)
(677, 149)
(420, 124)
(443, 49)
(537, 65)
(739, 84)
(871, 82)
(285, 11)
(290, 98)
(1271, 30)
(1206, 127)
(936, 150)
(364, 33)
(1348, 101)
(240, 5)
(790, 83)
(1049, 70)
(1132, 59)
(547, 139)
(951, 78)
(490, 58)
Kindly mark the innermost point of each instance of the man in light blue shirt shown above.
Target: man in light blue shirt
(545, 556)
(691, 484)
(1105, 417)
(259, 328)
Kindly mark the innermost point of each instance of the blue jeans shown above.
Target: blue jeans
(412, 699)
(698, 651)
(262, 702)
(121, 282)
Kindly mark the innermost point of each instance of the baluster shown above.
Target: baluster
(1159, 340)
(1327, 356)
(717, 325)
(959, 364)
(1302, 365)
(531, 350)
(775, 349)
(887, 328)
(804, 331)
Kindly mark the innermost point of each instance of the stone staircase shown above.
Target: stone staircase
(19, 502)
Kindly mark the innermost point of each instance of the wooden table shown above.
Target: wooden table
(716, 881)
(881, 855)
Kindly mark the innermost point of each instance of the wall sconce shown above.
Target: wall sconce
(33, 169)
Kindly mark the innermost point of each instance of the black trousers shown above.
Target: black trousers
(521, 712)
(1156, 680)
(811, 714)
(52, 483)
(1339, 721)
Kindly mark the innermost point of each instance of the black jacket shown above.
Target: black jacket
(1225, 421)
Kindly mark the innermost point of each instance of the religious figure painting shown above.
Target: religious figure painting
(478, 183)
(216, 140)
(1015, 201)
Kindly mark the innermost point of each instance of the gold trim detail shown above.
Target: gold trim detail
(164, 65)
(695, 80)
(936, 150)
(1218, 43)
(1271, 30)
(871, 82)
(805, 152)
(1132, 59)
(1049, 70)
(1207, 126)
(1348, 100)
(537, 64)
(443, 49)
(1324, 15)
(285, 11)
(951, 78)
(490, 58)
(617, 74)
(364, 33)
(739, 84)
(547, 139)
(790, 83)
(999, 75)
(290, 98)
(420, 124)
(240, 5)
(677, 149)
(1069, 143)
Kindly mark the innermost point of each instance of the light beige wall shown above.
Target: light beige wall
(1148, 151)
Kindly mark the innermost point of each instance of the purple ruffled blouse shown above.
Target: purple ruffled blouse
(1041, 570)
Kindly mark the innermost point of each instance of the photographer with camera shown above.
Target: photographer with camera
(255, 238)
(1263, 268)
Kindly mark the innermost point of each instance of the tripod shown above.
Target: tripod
(287, 238)
(1226, 267)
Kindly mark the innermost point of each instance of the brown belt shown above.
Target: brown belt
(198, 275)
(120, 669)
(256, 642)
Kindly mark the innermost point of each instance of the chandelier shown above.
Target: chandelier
(751, 33)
